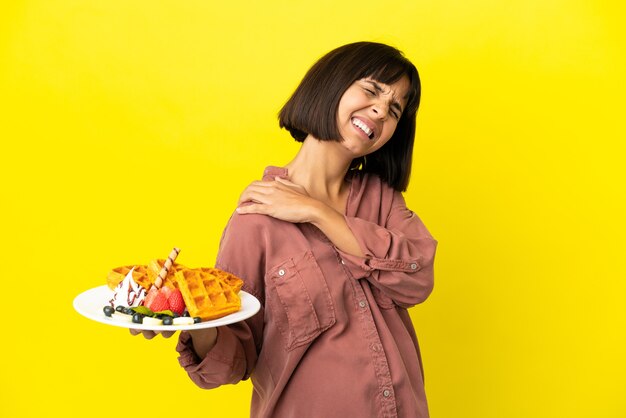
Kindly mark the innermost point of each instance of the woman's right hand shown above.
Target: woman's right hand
(148, 335)
(203, 339)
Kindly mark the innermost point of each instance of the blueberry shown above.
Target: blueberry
(119, 308)
(128, 311)
(137, 318)
(108, 310)
(197, 319)
(168, 320)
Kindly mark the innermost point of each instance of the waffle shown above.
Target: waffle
(154, 268)
(225, 277)
(140, 276)
(207, 293)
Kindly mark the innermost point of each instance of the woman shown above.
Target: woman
(328, 246)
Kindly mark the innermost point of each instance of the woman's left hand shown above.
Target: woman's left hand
(290, 202)
(279, 199)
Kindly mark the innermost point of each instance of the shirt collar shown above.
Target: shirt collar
(271, 172)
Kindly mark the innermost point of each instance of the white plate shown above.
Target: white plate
(91, 302)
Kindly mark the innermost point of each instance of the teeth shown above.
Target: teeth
(363, 127)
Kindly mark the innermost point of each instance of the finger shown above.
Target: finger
(267, 186)
(148, 335)
(257, 196)
(260, 184)
(253, 208)
(251, 191)
(284, 181)
(151, 334)
(290, 185)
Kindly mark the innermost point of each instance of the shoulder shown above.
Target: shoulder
(371, 184)
(244, 246)
(371, 198)
(249, 226)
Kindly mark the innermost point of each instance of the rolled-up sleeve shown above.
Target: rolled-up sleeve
(234, 355)
(225, 363)
(399, 255)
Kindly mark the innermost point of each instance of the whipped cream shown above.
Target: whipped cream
(128, 292)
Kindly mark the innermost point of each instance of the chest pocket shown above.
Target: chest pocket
(299, 299)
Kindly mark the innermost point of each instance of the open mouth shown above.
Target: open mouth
(370, 133)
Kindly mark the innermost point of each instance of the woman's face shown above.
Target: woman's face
(368, 113)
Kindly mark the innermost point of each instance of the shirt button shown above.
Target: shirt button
(386, 393)
(281, 272)
(413, 266)
(362, 304)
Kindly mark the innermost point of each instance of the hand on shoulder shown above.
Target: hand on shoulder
(280, 199)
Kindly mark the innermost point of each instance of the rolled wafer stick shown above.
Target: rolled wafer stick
(158, 282)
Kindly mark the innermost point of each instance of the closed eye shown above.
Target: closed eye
(394, 108)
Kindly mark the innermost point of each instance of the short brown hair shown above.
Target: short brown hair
(312, 109)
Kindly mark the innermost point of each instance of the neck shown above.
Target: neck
(320, 167)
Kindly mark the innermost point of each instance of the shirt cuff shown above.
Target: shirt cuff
(224, 363)
(361, 267)
(188, 356)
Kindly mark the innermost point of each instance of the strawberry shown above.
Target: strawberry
(158, 302)
(167, 291)
(176, 302)
(150, 296)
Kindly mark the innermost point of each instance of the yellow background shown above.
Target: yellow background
(130, 127)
